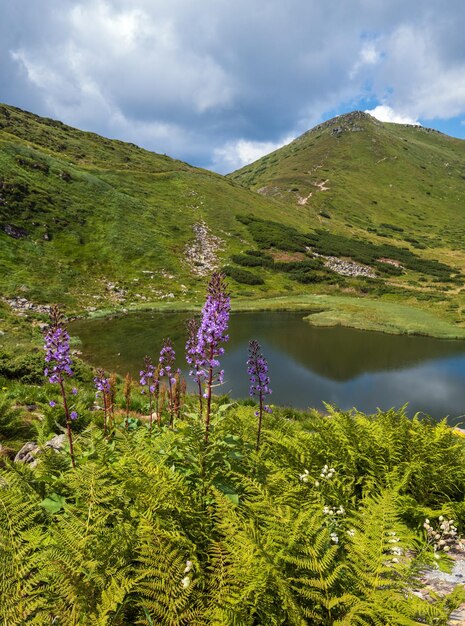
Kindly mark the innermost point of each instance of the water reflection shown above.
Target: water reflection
(308, 365)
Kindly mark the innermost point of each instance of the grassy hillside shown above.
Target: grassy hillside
(89, 221)
(381, 181)
(94, 223)
(371, 191)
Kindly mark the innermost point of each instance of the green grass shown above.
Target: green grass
(361, 313)
(381, 176)
(105, 218)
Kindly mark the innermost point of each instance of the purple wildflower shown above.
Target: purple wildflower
(166, 360)
(150, 379)
(57, 356)
(52, 403)
(211, 333)
(74, 391)
(257, 369)
(58, 364)
(166, 365)
(73, 415)
(102, 384)
(194, 359)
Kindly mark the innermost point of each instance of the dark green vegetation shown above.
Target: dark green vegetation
(163, 530)
(95, 223)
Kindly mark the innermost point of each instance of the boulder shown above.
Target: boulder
(31, 449)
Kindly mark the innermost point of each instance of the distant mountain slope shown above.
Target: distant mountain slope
(382, 181)
(352, 207)
(91, 220)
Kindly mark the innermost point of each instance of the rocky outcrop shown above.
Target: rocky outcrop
(23, 305)
(202, 253)
(31, 450)
(14, 231)
(346, 268)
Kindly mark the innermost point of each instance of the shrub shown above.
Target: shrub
(252, 260)
(242, 276)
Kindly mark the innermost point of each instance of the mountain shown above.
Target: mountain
(353, 207)
(376, 180)
(89, 221)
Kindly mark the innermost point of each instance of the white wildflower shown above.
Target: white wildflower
(185, 582)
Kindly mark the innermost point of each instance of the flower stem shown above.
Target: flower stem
(68, 422)
(105, 409)
(260, 415)
(209, 397)
(200, 400)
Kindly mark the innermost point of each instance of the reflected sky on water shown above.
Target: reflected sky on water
(308, 365)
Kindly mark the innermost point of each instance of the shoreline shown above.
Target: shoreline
(321, 310)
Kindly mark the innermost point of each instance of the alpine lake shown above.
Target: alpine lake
(308, 366)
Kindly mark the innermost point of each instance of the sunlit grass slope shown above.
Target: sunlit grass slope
(98, 224)
(78, 211)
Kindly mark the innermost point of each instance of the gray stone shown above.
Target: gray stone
(31, 449)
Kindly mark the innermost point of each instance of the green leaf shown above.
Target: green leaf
(225, 407)
(53, 503)
(227, 490)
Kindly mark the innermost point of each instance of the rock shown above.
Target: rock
(14, 231)
(31, 449)
(346, 268)
(57, 442)
(202, 254)
(27, 453)
(22, 305)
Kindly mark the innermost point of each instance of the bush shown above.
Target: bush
(387, 268)
(398, 229)
(274, 235)
(269, 234)
(28, 368)
(242, 276)
(252, 260)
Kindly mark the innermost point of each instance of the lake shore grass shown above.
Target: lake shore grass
(328, 310)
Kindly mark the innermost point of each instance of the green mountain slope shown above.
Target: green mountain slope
(86, 220)
(354, 207)
(379, 180)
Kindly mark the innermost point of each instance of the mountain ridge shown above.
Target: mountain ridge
(92, 222)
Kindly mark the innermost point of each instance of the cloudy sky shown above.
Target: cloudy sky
(219, 83)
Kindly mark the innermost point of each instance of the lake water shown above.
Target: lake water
(307, 365)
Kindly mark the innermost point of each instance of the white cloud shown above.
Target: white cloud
(223, 82)
(369, 55)
(385, 113)
(236, 154)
